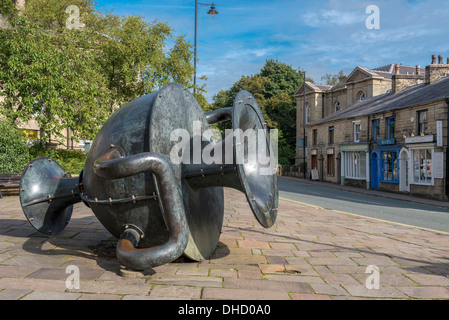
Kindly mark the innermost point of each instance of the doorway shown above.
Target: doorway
(374, 160)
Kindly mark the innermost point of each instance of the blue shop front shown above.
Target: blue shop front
(384, 168)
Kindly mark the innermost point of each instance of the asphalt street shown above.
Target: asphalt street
(409, 213)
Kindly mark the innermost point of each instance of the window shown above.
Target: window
(376, 129)
(330, 165)
(390, 127)
(389, 166)
(422, 122)
(337, 106)
(355, 165)
(422, 166)
(307, 113)
(331, 135)
(357, 131)
(362, 96)
(315, 137)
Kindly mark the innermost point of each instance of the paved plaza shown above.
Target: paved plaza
(310, 253)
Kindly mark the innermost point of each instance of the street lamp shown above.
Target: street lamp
(304, 128)
(212, 12)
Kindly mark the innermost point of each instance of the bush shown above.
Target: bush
(70, 160)
(7, 8)
(14, 153)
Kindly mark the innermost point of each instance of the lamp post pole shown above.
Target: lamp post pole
(304, 129)
(212, 12)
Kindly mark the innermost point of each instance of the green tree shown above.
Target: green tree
(332, 79)
(273, 87)
(7, 8)
(77, 77)
(50, 77)
(13, 149)
(135, 59)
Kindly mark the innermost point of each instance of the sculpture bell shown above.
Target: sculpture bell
(159, 209)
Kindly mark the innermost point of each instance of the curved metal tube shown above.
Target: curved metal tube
(173, 210)
(220, 115)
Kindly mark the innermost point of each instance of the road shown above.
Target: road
(419, 215)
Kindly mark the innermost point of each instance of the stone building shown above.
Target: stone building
(384, 128)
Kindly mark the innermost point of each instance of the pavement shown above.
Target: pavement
(309, 254)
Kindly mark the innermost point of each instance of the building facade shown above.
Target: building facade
(385, 129)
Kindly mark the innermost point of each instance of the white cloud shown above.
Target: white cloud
(332, 17)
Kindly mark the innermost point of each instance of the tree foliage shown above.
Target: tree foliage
(13, 148)
(7, 8)
(50, 77)
(332, 79)
(77, 77)
(273, 87)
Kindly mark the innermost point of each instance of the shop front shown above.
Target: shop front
(422, 164)
(355, 164)
(385, 172)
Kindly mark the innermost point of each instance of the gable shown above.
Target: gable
(359, 74)
(311, 88)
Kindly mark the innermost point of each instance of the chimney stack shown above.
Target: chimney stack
(434, 71)
(447, 60)
(402, 81)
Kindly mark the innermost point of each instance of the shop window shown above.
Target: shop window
(422, 166)
(355, 163)
(376, 129)
(390, 127)
(389, 166)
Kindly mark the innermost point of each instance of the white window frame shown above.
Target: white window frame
(357, 133)
(354, 166)
(413, 150)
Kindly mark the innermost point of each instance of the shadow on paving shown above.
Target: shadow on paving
(98, 245)
(418, 265)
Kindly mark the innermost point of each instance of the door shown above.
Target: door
(374, 161)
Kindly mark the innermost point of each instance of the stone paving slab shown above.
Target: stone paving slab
(309, 254)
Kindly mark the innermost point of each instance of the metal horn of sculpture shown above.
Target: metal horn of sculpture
(157, 209)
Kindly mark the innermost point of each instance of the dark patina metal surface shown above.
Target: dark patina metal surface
(157, 209)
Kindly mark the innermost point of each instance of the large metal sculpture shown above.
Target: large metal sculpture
(157, 208)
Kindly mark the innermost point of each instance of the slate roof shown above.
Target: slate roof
(410, 96)
(389, 70)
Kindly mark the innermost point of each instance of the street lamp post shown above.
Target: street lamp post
(212, 12)
(304, 128)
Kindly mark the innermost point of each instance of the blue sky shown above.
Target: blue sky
(320, 36)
